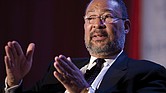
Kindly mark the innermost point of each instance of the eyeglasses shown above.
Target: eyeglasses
(107, 19)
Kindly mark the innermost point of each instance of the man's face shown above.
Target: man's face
(104, 39)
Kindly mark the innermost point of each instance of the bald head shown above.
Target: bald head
(118, 6)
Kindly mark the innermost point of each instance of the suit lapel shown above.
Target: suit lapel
(114, 73)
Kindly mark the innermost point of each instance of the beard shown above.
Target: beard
(107, 47)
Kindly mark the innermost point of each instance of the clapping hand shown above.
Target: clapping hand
(69, 75)
(17, 63)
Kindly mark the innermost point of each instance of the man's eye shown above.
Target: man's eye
(91, 18)
(108, 16)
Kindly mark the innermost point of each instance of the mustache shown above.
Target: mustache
(101, 32)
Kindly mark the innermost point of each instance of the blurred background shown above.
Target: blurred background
(56, 27)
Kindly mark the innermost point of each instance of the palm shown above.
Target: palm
(19, 70)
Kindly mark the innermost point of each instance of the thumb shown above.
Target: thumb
(30, 51)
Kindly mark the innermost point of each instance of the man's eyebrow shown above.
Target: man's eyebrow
(103, 10)
(108, 10)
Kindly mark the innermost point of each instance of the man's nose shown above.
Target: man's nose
(99, 24)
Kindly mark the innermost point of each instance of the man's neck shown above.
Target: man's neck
(107, 56)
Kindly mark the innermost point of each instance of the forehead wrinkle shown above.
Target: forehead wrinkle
(100, 7)
(103, 11)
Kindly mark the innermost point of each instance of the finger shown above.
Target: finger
(61, 79)
(65, 72)
(8, 64)
(30, 52)
(58, 67)
(68, 58)
(68, 62)
(59, 76)
(13, 49)
(18, 48)
(71, 63)
(9, 52)
(64, 64)
(62, 57)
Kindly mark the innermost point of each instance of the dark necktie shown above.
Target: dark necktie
(91, 74)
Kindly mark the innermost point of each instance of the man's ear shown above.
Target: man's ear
(127, 25)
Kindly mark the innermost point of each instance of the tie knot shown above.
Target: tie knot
(99, 61)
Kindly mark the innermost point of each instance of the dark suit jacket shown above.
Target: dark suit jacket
(126, 75)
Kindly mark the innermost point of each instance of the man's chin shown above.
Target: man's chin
(99, 44)
(99, 47)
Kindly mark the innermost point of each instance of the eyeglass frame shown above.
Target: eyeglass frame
(103, 18)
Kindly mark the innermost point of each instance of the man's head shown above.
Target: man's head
(106, 25)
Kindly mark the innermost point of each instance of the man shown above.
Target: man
(106, 25)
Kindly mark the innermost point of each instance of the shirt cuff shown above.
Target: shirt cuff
(11, 89)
